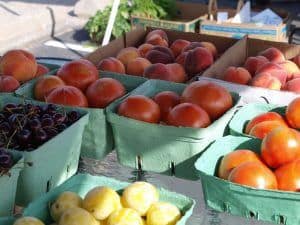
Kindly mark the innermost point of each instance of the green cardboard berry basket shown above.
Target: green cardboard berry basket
(97, 138)
(7, 220)
(273, 206)
(247, 112)
(8, 185)
(82, 183)
(161, 148)
(51, 163)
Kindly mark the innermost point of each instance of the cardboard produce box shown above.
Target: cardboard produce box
(187, 18)
(237, 30)
(137, 37)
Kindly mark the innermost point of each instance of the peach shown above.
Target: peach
(159, 54)
(296, 60)
(266, 80)
(157, 37)
(274, 70)
(210, 47)
(78, 73)
(198, 60)
(296, 75)
(45, 85)
(137, 66)
(178, 45)
(8, 84)
(111, 64)
(181, 58)
(268, 116)
(290, 67)
(170, 72)
(252, 64)
(144, 49)
(192, 46)
(260, 130)
(237, 75)
(128, 54)
(293, 85)
(18, 63)
(41, 70)
(273, 55)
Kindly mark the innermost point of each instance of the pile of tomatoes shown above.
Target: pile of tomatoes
(200, 103)
(278, 164)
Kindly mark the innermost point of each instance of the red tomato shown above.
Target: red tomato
(253, 174)
(67, 95)
(104, 91)
(166, 101)
(213, 98)
(268, 116)
(288, 176)
(188, 115)
(234, 159)
(280, 146)
(141, 108)
(78, 73)
(292, 113)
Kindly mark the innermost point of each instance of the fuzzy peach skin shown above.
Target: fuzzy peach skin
(273, 55)
(111, 64)
(274, 70)
(157, 37)
(137, 66)
(144, 49)
(290, 67)
(45, 85)
(252, 64)
(41, 70)
(237, 75)
(178, 45)
(18, 63)
(266, 80)
(8, 84)
(159, 54)
(128, 54)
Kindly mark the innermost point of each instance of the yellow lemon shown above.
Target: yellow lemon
(101, 202)
(65, 200)
(140, 196)
(125, 216)
(77, 216)
(163, 213)
(28, 221)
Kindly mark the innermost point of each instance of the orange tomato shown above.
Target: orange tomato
(288, 176)
(292, 113)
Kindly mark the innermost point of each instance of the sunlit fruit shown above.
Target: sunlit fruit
(77, 216)
(280, 146)
(125, 216)
(101, 202)
(260, 130)
(288, 176)
(104, 91)
(141, 108)
(188, 115)
(65, 200)
(253, 174)
(213, 98)
(140, 196)
(45, 85)
(162, 213)
(293, 113)
(78, 73)
(234, 159)
(28, 221)
(67, 95)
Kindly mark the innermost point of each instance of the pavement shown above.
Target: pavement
(54, 28)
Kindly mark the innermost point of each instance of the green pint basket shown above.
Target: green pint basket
(97, 138)
(82, 183)
(278, 207)
(161, 148)
(246, 113)
(7, 220)
(51, 163)
(8, 186)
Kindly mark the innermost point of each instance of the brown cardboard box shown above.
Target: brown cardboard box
(187, 19)
(237, 55)
(137, 36)
(236, 30)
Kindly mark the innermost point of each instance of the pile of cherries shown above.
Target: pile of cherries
(26, 126)
(6, 160)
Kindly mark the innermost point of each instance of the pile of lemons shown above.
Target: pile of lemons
(138, 205)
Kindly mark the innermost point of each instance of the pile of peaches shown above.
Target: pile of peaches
(269, 69)
(77, 84)
(17, 67)
(157, 59)
(277, 166)
(201, 103)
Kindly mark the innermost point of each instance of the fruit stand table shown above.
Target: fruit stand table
(111, 168)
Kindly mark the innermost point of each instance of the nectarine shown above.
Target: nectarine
(237, 75)
(8, 84)
(41, 70)
(252, 64)
(137, 66)
(128, 54)
(111, 64)
(266, 80)
(273, 55)
(144, 49)
(178, 45)
(159, 54)
(45, 85)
